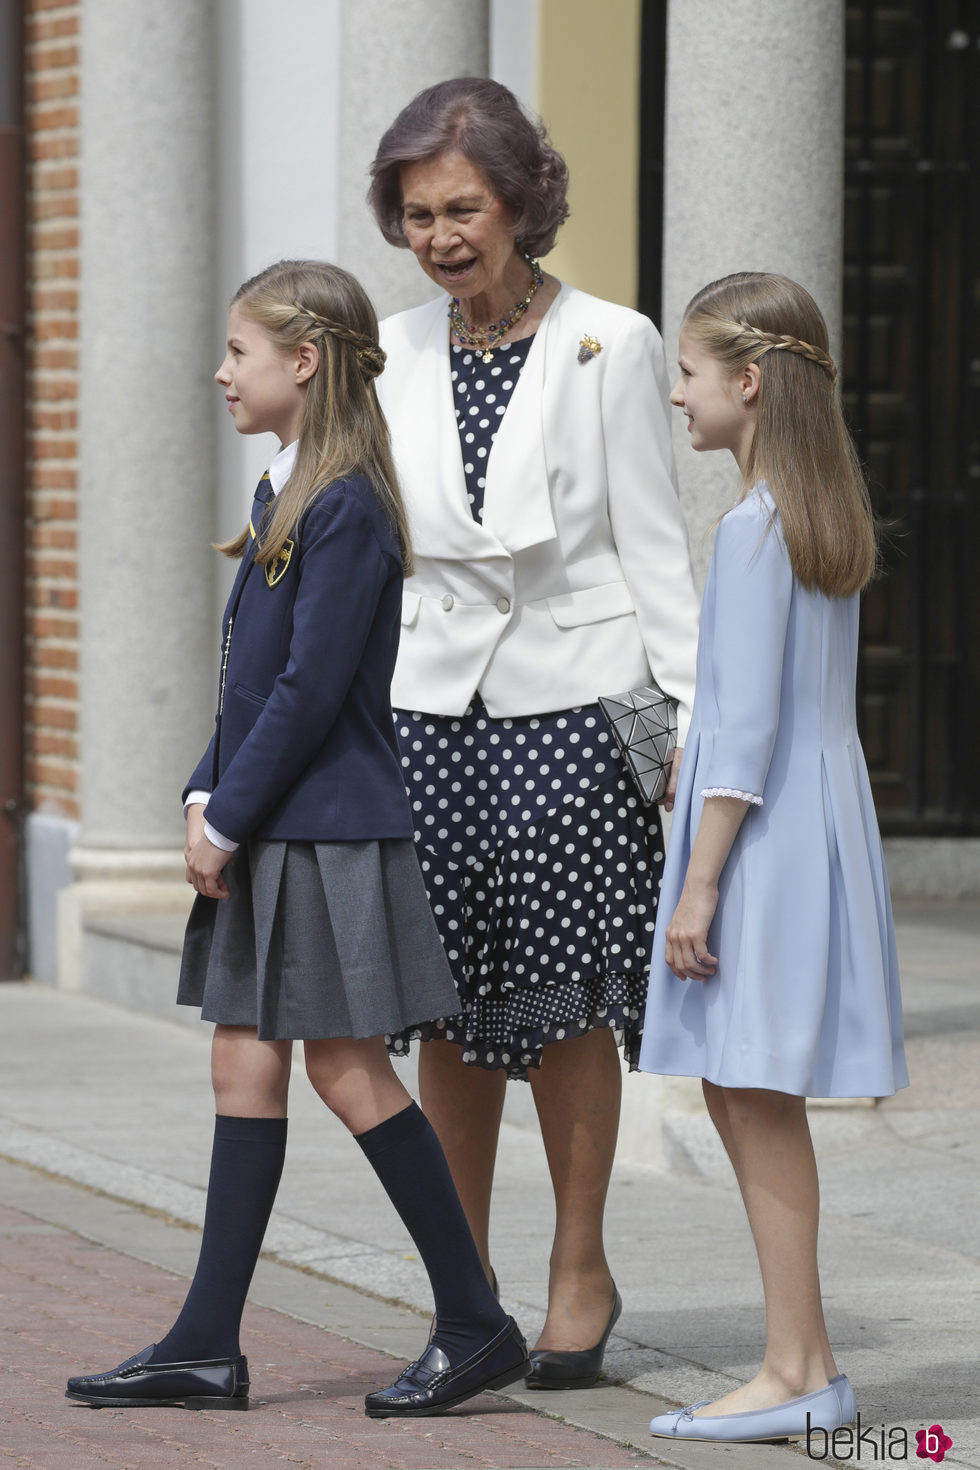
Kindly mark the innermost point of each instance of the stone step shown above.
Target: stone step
(132, 958)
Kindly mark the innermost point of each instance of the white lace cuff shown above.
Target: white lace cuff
(727, 791)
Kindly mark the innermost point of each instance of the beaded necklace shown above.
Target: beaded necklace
(486, 340)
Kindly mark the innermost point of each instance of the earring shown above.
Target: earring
(745, 398)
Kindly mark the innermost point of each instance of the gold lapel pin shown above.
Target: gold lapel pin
(588, 348)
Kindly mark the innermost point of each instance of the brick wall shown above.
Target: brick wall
(52, 703)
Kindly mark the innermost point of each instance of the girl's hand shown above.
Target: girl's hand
(667, 800)
(195, 828)
(204, 866)
(687, 933)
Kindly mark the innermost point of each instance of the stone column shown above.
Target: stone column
(754, 175)
(391, 50)
(148, 645)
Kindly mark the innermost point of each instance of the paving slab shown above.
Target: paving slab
(83, 1276)
(71, 1303)
(119, 1102)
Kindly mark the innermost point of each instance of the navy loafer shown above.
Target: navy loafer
(210, 1383)
(431, 1385)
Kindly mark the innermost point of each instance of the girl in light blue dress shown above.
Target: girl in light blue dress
(774, 900)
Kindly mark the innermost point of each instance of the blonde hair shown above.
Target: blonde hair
(343, 430)
(801, 446)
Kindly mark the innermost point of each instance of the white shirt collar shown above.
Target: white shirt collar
(282, 466)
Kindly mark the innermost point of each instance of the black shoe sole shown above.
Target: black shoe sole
(191, 1401)
(552, 1385)
(427, 1411)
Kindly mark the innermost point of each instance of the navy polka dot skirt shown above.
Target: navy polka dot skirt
(542, 868)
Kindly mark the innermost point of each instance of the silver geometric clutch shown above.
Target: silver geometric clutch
(644, 723)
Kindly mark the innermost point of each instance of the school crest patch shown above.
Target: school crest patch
(276, 569)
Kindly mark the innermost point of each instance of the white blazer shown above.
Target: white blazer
(578, 582)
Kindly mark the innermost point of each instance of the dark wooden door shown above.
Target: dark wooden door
(912, 391)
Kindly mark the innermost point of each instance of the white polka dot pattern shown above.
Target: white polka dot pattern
(480, 389)
(542, 869)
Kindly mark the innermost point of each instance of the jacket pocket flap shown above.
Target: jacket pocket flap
(590, 604)
(250, 694)
(411, 602)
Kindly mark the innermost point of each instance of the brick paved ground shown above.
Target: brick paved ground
(69, 1305)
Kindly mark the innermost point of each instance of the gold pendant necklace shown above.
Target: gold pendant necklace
(485, 340)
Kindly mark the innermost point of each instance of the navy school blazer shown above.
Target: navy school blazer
(304, 743)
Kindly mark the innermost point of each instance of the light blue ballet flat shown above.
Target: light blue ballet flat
(845, 1394)
(791, 1420)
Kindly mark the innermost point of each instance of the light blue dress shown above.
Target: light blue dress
(806, 996)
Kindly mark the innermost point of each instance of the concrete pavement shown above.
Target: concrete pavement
(66, 1296)
(104, 1122)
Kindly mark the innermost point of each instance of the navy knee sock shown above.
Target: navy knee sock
(246, 1164)
(408, 1159)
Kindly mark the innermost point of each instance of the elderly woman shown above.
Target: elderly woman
(530, 429)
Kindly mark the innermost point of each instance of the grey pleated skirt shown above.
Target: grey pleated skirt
(317, 940)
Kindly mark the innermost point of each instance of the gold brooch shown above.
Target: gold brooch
(588, 348)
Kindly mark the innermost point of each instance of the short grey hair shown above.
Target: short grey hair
(484, 121)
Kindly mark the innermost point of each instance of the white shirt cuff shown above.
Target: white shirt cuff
(201, 798)
(216, 839)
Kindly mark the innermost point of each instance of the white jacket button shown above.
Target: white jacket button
(447, 602)
(503, 604)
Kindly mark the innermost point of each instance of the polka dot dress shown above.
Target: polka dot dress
(481, 392)
(542, 868)
(541, 864)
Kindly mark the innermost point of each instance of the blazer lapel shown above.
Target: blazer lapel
(517, 499)
(260, 504)
(423, 421)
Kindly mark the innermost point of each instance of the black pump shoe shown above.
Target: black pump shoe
(581, 1369)
(210, 1383)
(431, 1385)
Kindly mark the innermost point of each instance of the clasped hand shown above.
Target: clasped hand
(205, 862)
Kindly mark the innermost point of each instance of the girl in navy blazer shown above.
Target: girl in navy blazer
(311, 920)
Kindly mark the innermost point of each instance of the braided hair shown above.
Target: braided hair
(370, 355)
(343, 430)
(800, 444)
(763, 342)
